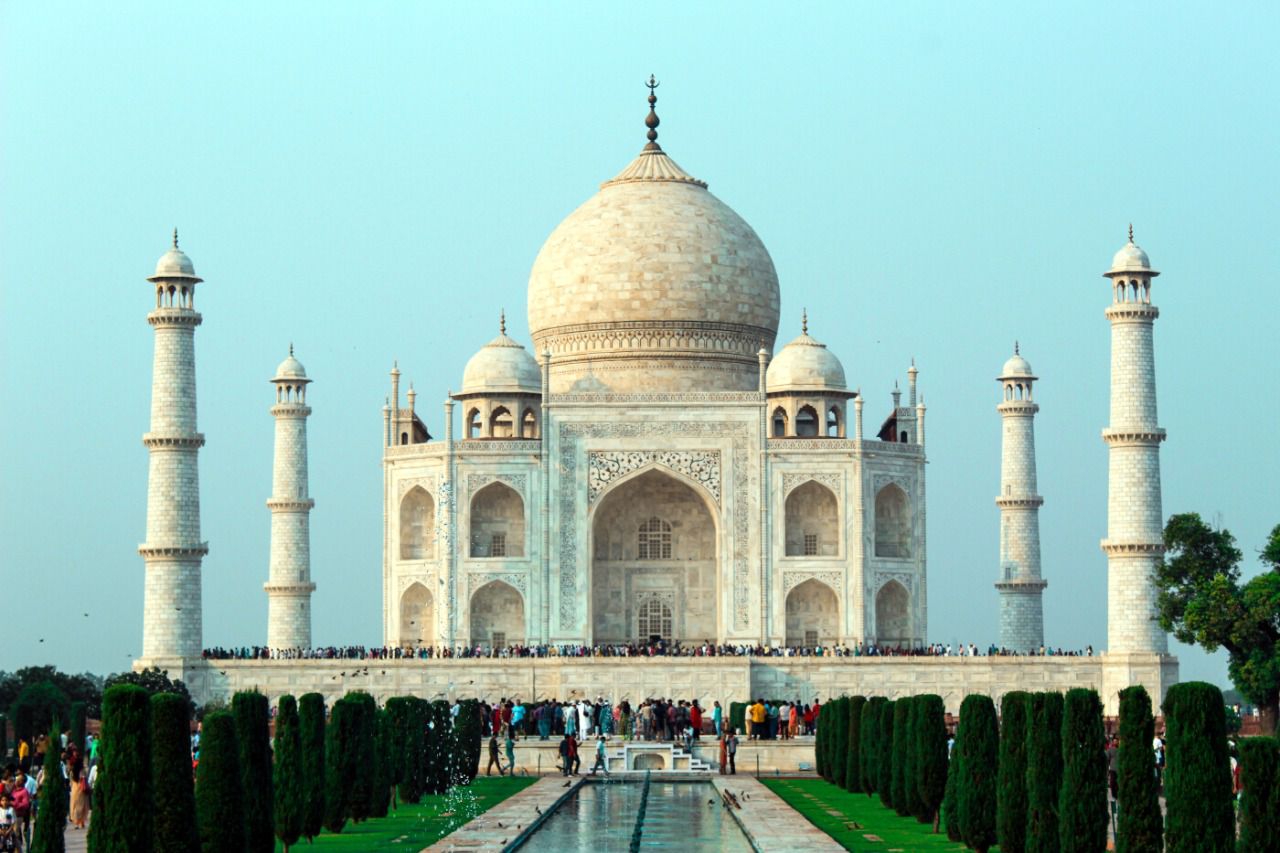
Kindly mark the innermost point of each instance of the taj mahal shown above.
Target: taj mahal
(655, 466)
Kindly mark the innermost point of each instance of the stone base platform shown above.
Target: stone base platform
(726, 679)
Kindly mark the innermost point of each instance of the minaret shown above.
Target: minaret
(1135, 525)
(289, 588)
(173, 550)
(1020, 585)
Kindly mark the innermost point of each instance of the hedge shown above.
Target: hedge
(853, 744)
(1260, 798)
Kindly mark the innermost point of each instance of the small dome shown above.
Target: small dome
(174, 264)
(1016, 366)
(1130, 259)
(290, 368)
(502, 366)
(805, 364)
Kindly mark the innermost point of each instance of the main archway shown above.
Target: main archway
(653, 562)
(497, 616)
(813, 615)
(893, 615)
(417, 616)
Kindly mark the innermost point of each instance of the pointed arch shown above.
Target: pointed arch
(835, 422)
(417, 616)
(417, 525)
(893, 615)
(812, 521)
(501, 424)
(496, 615)
(497, 522)
(528, 424)
(893, 522)
(474, 424)
(779, 422)
(813, 615)
(807, 422)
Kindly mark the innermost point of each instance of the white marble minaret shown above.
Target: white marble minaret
(1135, 523)
(173, 551)
(1020, 585)
(289, 587)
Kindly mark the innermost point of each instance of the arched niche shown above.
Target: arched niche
(893, 522)
(813, 615)
(893, 615)
(417, 616)
(417, 525)
(497, 615)
(812, 521)
(497, 522)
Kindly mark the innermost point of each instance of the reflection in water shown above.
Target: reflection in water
(601, 817)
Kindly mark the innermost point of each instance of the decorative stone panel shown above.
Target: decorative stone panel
(403, 486)
(476, 482)
(604, 467)
(516, 580)
(791, 580)
(791, 480)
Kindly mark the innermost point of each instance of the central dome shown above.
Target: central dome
(653, 284)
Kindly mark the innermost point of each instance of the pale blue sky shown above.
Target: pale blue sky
(373, 181)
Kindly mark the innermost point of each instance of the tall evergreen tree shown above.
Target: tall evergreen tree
(440, 743)
(853, 744)
(1082, 800)
(1044, 771)
(1197, 775)
(901, 713)
(915, 806)
(1011, 788)
(311, 713)
(219, 798)
(173, 798)
(1260, 797)
(79, 716)
(119, 825)
(820, 742)
(252, 713)
(384, 746)
(337, 777)
(976, 794)
(4, 737)
(839, 739)
(51, 818)
(1139, 823)
(951, 798)
(931, 755)
(288, 779)
(884, 754)
(364, 759)
(868, 749)
(467, 724)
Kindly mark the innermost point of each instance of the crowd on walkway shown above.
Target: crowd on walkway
(23, 783)
(616, 650)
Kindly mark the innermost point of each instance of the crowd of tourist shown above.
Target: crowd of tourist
(23, 782)
(614, 650)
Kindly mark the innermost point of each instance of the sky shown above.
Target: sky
(372, 182)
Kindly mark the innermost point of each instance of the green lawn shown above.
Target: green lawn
(861, 822)
(415, 827)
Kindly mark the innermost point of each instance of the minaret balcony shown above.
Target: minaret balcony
(191, 441)
(1112, 547)
(1019, 502)
(290, 410)
(1121, 437)
(174, 317)
(295, 588)
(290, 504)
(1027, 586)
(1132, 312)
(173, 551)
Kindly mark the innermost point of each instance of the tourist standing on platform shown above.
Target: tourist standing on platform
(793, 723)
(517, 717)
(600, 764)
(493, 757)
(731, 750)
(511, 750)
(759, 718)
(570, 720)
(717, 719)
(695, 720)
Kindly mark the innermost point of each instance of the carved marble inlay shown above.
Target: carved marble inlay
(476, 482)
(604, 467)
(904, 578)
(792, 480)
(427, 581)
(475, 580)
(791, 580)
(427, 483)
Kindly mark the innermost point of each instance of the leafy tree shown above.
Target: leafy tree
(1197, 774)
(153, 680)
(338, 738)
(868, 750)
(385, 747)
(853, 744)
(931, 755)
(252, 713)
(364, 758)
(79, 709)
(219, 800)
(173, 799)
(467, 725)
(288, 784)
(122, 820)
(884, 754)
(976, 792)
(85, 687)
(901, 714)
(1139, 823)
(837, 757)
(1044, 771)
(1202, 601)
(1260, 798)
(312, 737)
(51, 818)
(1011, 784)
(1082, 800)
(37, 707)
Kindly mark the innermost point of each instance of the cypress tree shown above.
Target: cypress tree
(931, 755)
(219, 799)
(4, 738)
(173, 799)
(976, 794)
(383, 745)
(839, 739)
(951, 798)
(1011, 787)
(441, 741)
(1197, 775)
(364, 758)
(337, 746)
(1082, 800)
(400, 708)
(467, 724)
(51, 819)
(868, 749)
(122, 821)
(288, 782)
(901, 713)
(911, 772)
(1044, 771)
(78, 719)
(311, 715)
(819, 744)
(884, 754)
(1260, 797)
(252, 714)
(853, 744)
(1139, 823)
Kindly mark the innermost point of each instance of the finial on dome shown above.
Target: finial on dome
(1130, 232)
(175, 237)
(291, 349)
(502, 321)
(804, 321)
(1015, 348)
(651, 121)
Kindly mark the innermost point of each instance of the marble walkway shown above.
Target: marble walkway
(771, 824)
(515, 816)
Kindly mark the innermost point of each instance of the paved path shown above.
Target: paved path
(517, 815)
(769, 822)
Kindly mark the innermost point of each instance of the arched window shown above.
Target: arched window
(653, 619)
(902, 437)
(893, 523)
(500, 423)
(529, 424)
(807, 422)
(893, 615)
(417, 525)
(417, 616)
(497, 522)
(473, 423)
(404, 438)
(812, 521)
(779, 422)
(654, 540)
(833, 422)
